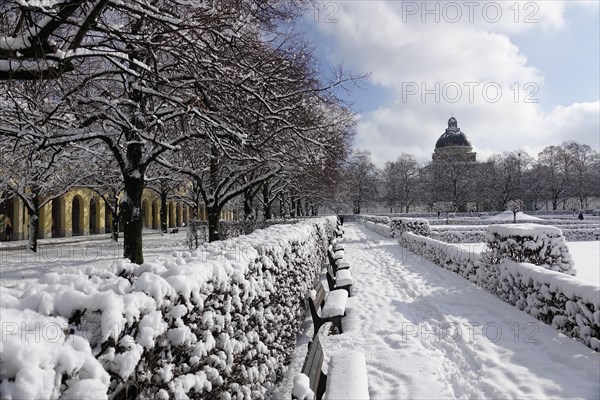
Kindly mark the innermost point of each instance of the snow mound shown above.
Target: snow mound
(508, 216)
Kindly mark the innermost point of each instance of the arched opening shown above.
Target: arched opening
(6, 233)
(77, 216)
(57, 224)
(155, 212)
(178, 214)
(145, 216)
(185, 216)
(171, 210)
(6, 210)
(107, 219)
(93, 216)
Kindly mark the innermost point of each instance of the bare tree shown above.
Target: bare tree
(453, 181)
(515, 206)
(552, 161)
(37, 177)
(584, 175)
(149, 70)
(361, 176)
(401, 179)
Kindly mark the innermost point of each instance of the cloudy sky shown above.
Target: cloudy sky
(514, 74)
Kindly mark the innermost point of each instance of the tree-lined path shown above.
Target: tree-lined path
(428, 333)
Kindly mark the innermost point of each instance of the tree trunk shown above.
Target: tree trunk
(34, 226)
(163, 211)
(266, 203)
(292, 207)
(281, 206)
(133, 222)
(214, 218)
(248, 211)
(115, 227)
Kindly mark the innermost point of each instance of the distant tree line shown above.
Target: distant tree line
(561, 177)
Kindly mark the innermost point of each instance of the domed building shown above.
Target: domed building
(453, 145)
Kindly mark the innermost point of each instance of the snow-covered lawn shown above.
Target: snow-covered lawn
(428, 333)
(509, 216)
(54, 255)
(586, 256)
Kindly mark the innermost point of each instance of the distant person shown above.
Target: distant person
(580, 216)
(8, 232)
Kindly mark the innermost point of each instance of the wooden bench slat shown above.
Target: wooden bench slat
(315, 305)
(346, 378)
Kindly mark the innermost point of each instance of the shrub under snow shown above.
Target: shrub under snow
(376, 219)
(459, 259)
(218, 322)
(537, 244)
(419, 226)
(382, 229)
(568, 304)
(458, 236)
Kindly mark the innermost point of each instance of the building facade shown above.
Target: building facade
(82, 212)
(453, 171)
(453, 145)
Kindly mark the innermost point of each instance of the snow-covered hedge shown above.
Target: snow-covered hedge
(476, 233)
(383, 230)
(581, 234)
(462, 260)
(376, 219)
(218, 322)
(568, 304)
(537, 244)
(197, 231)
(458, 236)
(572, 223)
(398, 225)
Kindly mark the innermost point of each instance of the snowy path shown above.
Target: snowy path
(428, 333)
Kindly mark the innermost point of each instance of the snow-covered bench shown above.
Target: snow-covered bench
(336, 260)
(339, 231)
(336, 246)
(346, 376)
(340, 279)
(332, 306)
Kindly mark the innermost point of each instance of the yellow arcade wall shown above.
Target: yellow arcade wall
(82, 212)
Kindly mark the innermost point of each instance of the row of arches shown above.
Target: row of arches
(82, 212)
(178, 214)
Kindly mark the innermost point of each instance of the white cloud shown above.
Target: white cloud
(406, 57)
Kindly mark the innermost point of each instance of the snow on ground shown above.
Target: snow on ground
(20, 266)
(428, 333)
(508, 216)
(586, 256)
